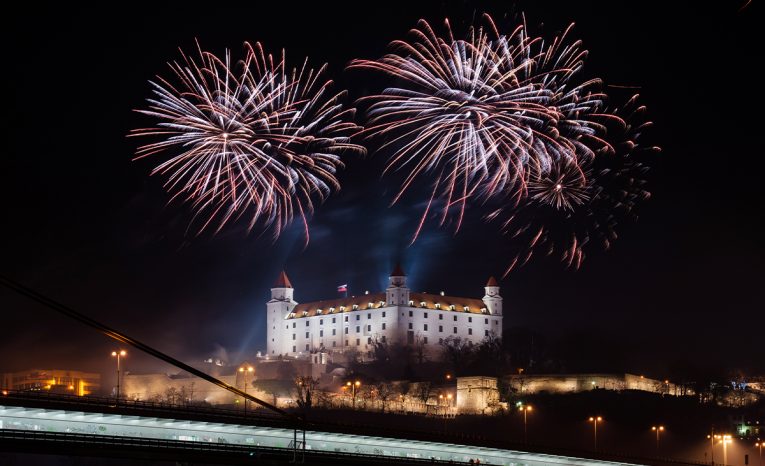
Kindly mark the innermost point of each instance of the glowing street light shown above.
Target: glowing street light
(525, 409)
(595, 420)
(759, 446)
(118, 354)
(726, 439)
(244, 371)
(353, 387)
(658, 430)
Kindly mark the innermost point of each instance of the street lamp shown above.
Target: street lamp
(353, 387)
(726, 439)
(118, 354)
(595, 420)
(711, 438)
(658, 430)
(525, 409)
(759, 446)
(244, 371)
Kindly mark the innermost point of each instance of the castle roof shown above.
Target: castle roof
(492, 281)
(398, 271)
(377, 301)
(283, 281)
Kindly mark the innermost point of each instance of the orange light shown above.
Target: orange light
(5, 392)
(358, 384)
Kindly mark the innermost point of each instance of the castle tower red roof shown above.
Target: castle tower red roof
(283, 281)
(492, 282)
(398, 271)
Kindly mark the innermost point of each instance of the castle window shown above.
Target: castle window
(369, 328)
(370, 305)
(294, 349)
(294, 324)
(425, 315)
(423, 304)
(455, 329)
(496, 322)
(470, 319)
(321, 333)
(305, 313)
(483, 309)
(346, 318)
(358, 342)
(485, 321)
(383, 314)
(440, 328)
(382, 303)
(470, 331)
(319, 311)
(358, 317)
(342, 308)
(306, 334)
(369, 340)
(287, 327)
(355, 306)
(333, 320)
(425, 340)
(466, 308)
(440, 317)
(346, 330)
(440, 341)
(438, 305)
(383, 326)
(486, 333)
(334, 344)
(306, 347)
(346, 342)
(334, 331)
(294, 336)
(451, 307)
(307, 323)
(425, 327)
(410, 325)
(411, 303)
(455, 318)
(411, 313)
(382, 338)
(369, 316)
(331, 309)
(358, 329)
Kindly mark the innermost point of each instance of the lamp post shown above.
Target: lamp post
(353, 387)
(759, 446)
(595, 420)
(118, 354)
(658, 430)
(525, 409)
(711, 438)
(244, 371)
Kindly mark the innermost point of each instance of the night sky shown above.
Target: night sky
(89, 227)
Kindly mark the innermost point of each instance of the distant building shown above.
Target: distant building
(477, 395)
(396, 315)
(574, 383)
(53, 380)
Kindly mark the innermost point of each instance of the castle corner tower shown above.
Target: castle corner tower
(277, 310)
(397, 293)
(492, 299)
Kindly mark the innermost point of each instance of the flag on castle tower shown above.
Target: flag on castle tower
(342, 288)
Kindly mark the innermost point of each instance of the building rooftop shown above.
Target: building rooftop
(377, 301)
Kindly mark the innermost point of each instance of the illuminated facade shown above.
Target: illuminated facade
(53, 380)
(396, 315)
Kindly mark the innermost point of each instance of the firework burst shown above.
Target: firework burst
(253, 138)
(474, 116)
(574, 206)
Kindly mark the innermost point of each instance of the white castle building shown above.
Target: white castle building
(397, 315)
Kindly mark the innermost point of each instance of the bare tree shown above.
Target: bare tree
(457, 352)
(385, 393)
(422, 391)
(304, 392)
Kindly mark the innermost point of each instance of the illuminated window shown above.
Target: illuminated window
(305, 313)
(319, 311)
(438, 305)
(355, 306)
(331, 309)
(423, 303)
(451, 307)
(370, 305)
(466, 308)
(342, 308)
(411, 303)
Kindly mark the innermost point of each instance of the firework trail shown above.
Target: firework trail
(472, 116)
(574, 206)
(253, 138)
